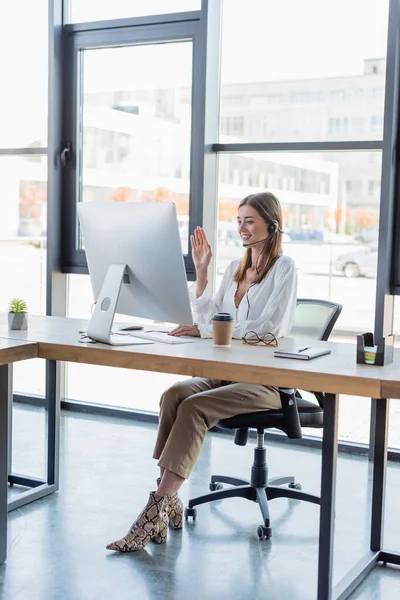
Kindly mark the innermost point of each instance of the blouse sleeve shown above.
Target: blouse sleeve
(206, 306)
(278, 314)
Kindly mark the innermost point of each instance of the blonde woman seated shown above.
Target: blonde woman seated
(260, 291)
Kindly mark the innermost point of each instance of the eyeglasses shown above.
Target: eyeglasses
(253, 339)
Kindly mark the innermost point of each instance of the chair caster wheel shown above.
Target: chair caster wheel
(295, 486)
(215, 486)
(190, 512)
(264, 533)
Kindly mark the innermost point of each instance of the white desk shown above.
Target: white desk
(57, 340)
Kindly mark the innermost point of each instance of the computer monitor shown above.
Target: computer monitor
(135, 262)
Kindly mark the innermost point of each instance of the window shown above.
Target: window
(331, 228)
(93, 10)
(378, 93)
(337, 95)
(134, 125)
(305, 97)
(23, 251)
(373, 187)
(344, 125)
(23, 99)
(334, 125)
(23, 189)
(284, 84)
(377, 123)
(356, 124)
(23, 177)
(327, 222)
(354, 187)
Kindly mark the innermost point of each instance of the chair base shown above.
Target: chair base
(244, 489)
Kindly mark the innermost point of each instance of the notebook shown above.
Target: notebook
(302, 352)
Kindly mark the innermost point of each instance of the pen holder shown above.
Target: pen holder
(384, 349)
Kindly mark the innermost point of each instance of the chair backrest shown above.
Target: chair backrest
(315, 318)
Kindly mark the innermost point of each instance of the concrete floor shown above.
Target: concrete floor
(56, 546)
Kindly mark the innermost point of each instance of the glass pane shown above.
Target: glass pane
(298, 82)
(138, 390)
(23, 197)
(331, 211)
(330, 207)
(135, 135)
(23, 255)
(93, 10)
(23, 48)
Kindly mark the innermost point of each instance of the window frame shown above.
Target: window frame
(185, 26)
(208, 129)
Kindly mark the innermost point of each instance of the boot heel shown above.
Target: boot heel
(176, 523)
(161, 536)
(175, 512)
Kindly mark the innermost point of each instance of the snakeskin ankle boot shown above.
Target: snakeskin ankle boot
(151, 524)
(174, 509)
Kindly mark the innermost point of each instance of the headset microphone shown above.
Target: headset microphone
(251, 243)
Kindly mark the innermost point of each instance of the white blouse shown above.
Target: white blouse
(267, 307)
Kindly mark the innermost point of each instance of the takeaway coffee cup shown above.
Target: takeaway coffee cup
(222, 330)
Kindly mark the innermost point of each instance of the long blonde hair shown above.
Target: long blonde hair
(269, 208)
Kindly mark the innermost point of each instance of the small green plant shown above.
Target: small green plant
(17, 306)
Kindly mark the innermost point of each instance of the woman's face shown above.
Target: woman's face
(251, 226)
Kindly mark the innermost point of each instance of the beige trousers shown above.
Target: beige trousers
(190, 408)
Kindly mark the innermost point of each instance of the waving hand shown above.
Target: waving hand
(201, 250)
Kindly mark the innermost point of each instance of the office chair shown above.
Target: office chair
(313, 319)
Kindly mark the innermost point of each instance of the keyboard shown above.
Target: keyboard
(127, 340)
(161, 336)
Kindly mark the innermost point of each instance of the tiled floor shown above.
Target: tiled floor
(56, 547)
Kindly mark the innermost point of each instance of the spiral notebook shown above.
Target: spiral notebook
(302, 352)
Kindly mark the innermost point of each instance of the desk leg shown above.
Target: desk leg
(379, 473)
(10, 419)
(4, 399)
(53, 422)
(328, 495)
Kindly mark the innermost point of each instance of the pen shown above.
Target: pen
(302, 349)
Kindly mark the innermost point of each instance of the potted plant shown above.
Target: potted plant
(17, 314)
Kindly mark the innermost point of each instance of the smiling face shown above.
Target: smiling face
(251, 226)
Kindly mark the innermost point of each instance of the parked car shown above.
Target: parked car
(360, 263)
(367, 236)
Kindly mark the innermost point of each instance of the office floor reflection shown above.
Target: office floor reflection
(56, 547)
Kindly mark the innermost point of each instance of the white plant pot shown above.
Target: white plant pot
(17, 321)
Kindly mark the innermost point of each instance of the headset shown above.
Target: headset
(273, 228)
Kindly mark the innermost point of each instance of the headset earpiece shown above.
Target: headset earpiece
(273, 227)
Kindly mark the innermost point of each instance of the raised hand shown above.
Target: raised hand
(201, 250)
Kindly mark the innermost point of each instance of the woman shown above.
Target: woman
(260, 291)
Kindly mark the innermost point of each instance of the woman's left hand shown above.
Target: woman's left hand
(191, 330)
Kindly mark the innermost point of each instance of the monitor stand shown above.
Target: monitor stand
(100, 325)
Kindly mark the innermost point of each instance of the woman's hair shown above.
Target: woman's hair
(269, 208)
